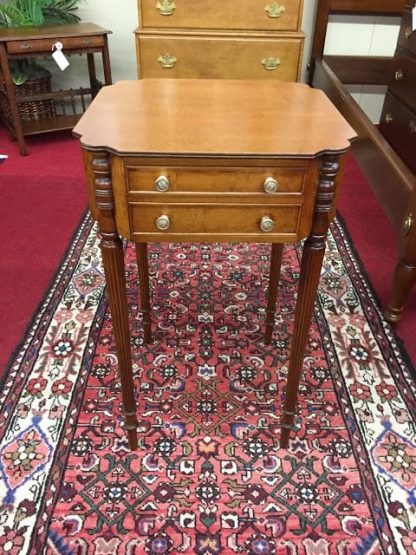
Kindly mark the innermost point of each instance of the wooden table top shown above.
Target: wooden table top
(213, 118)
(51, 31)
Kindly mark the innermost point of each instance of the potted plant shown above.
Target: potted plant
(29, 77)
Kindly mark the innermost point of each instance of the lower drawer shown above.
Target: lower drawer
(398, 125)
(219, 57)
(45, 45)
(211, 222)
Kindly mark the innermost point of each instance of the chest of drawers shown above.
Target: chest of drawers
(246, 39)
(398, 121)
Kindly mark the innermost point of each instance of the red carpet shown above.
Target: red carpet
(42, 198)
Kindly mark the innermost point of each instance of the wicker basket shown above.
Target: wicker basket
(36, 109)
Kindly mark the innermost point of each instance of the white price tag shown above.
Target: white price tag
(59, 56)
(414, 19)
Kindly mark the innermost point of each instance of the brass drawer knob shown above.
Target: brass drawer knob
(266, 224)
(270, 63)
(167, 61)
(162, 183)
(388, 118)
(271, 185)
(398, 75)
(163, 222)
(274, 10)
(408, 224)
(166, 7)
(412, 127)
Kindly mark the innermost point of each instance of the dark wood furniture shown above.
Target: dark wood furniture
(236, 39)
(30, 42)
(212, 160)
(387, 167)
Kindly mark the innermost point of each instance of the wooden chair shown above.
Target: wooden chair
(391, 180)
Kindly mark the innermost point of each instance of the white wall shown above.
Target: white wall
(346, 35)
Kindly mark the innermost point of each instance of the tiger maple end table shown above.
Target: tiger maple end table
(212, 160)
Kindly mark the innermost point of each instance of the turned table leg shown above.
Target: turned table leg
(113, 260)
(143, 270)
(403, 281)
(275, 266)
(310, 270)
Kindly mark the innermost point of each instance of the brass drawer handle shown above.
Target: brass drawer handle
(412, 127)
(408, 224)
(398, 75)
(163, 222)
(167, 61)
(166, 7)
(271, 185)
(266, 224)
(270, 63)
(86, 41)
(274, 10)
(408, 32)
(26, 45)
(388, 118)
(162, 183)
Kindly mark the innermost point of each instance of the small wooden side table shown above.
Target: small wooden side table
(30, 42)
(215, 160)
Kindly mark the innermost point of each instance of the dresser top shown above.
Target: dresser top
(191, 117)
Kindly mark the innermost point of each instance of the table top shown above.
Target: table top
(210, 117)
(51, 31)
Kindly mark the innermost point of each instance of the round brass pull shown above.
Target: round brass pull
(266, 224)
(274, 10)
(270, 63)
(398, 75)
(163, 222)
(162, 183)
(166, 7)
(408, 224)
(167, 61)
(388, 118)
(271, 185)
(412, 127)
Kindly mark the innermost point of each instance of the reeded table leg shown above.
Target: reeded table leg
(275, 267)
(113, 259)
(143, 270)
(313, 253)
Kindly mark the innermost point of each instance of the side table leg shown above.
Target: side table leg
(403, 281)
(275, 266)
(106, 62)
(143, 270)
(11, 97)
(310, 270)
(113, 260)
(92, 74)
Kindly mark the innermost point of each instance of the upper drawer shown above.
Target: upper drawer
(407, 38)
(218, 58)
(45, 45)
(217, 14)
(403, 83)
(270, 181)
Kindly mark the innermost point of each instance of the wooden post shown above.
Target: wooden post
(310, 271)
(275, 267)
(113, 260)
(143, 270)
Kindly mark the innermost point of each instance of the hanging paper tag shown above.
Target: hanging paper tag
(414, 19)
(59, 56)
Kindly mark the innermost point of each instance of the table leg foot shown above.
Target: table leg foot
(403, 281)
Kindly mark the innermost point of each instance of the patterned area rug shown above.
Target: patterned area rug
(209, 476)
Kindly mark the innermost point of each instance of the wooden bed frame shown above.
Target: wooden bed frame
(392, 182)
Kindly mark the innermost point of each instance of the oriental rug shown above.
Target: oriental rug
(209, 476)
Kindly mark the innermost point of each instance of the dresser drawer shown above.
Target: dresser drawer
(217, 14)
(191, 56)
(169, 180)
(407, 38)
(403, 84)
(42, 45)
(231, 222)
(398, 125)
